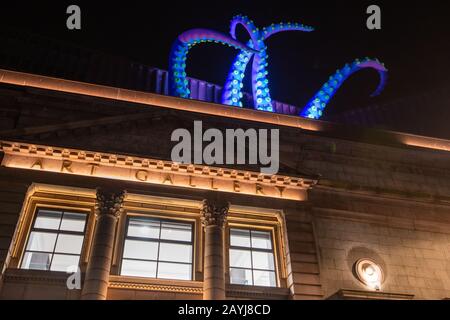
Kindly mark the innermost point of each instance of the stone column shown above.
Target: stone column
(107, 210)
(214, 220)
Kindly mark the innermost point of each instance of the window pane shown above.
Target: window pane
(261, 239)
(41, 241)
(143, 228)
(62, 262)
(36, 261)
(241, 276)
(240, 238)
(240, 258)
(135, 249)
(47, 219)
(138, 268)
(176, 231)
(73, 222)
(174, 271)
(68, 243)
(263, 260)
(175, 252)
(264, 278)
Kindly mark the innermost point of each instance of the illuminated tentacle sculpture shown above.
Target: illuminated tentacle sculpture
(256, 49)
(315, 107)
(232, 92)
(177, 64)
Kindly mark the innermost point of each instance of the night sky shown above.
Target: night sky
(414, 42)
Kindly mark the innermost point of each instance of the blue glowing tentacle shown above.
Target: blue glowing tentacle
(282, 27)
(232, 94)
(232, 90)
(177, 63)
(260, 81)
(249, 26)
(315, 107)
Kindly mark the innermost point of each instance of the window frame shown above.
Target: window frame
(160, 219)
(274, 251)
(58, 232)
(54, 197)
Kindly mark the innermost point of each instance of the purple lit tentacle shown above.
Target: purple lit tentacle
(315, 107)
(257, 50)
(260, 81)
(177, 63)
(195, 36)
(282, 27)
(249, 26)
(232, 90)
(232, 94)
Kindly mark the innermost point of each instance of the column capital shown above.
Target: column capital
(109, 202)
(214, 213)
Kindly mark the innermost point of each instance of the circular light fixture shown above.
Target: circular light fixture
(369, 273)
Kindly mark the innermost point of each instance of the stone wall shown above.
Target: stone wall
(411, 241)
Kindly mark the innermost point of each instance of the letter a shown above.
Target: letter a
(74, 20)
(374, 20)
(181, 152)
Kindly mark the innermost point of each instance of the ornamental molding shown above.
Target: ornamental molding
(152, 171)
(250, 292)
(351, 294)
(117, 284)
(35, 276)
(109, 202)
(214, 214)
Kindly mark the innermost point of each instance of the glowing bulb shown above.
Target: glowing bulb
(369, 273)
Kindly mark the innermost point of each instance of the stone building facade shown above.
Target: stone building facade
(97, 159)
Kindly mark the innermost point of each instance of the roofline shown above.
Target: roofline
(329, 129)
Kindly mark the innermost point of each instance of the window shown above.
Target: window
(55, 241)
(251, 258)
(157, 249)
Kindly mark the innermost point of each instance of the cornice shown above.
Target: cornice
(35, 276)
(350, 294)
(119, 160)
(251, 292)
(192, 287)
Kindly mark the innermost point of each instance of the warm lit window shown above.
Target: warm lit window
(55, 241)
(157, 249)
(251, 258)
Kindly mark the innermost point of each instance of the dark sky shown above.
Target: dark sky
(414, 42)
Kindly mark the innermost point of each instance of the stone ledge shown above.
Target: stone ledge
(160, 285)
(257, 292)
(350, 294)
(36, 276)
